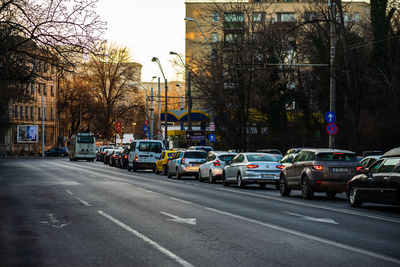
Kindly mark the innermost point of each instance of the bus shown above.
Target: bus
(82, 146)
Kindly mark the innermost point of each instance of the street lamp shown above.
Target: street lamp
(154, 59)
(189, 90)
(145, 91)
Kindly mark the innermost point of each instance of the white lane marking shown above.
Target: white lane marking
(314, 206)
(177, 219)
(146, 239)
(180, 200)
(308, 218)
(311, 237)
(79, 199)
(53, 222)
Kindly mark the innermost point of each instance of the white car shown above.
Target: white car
(213, 167)
(252, 168)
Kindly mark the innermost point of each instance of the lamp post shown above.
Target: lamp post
(154, 59)
(188, 90)
(145, 91)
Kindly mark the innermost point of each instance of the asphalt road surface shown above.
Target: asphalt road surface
(54, 212)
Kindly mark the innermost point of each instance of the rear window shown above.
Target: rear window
(226, 157)
(260, 157)
(86, 139)
(336, 157)
(155, 147)
(196, 155)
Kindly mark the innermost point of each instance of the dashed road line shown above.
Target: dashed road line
(79, 199)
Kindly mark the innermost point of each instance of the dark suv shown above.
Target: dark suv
(319, 170)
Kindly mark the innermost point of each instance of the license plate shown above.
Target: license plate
(195, 164)
(340, 170)
(268, 175)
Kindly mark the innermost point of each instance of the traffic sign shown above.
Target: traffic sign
(148, 134)
(330, 117)
(211, 137)
(145, 128)
(118, 127)
(160, 131)
(146, 123)
(212, 127)
(332, 129)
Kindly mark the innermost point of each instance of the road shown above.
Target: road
(54, 212)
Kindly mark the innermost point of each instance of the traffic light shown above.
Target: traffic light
(146, 123)
(118, 127)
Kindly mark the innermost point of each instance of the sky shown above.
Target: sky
(150, 28)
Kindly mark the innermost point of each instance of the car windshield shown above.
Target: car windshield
(196, 155)
(170, 154)
(226, 157)
(260, 157)
(336, 157)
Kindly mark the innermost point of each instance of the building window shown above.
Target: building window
(16, 112)
(52, 90)
(233, 20)
(39, 114)
(21, 112)
(39, 88)
(214, 37)
(258, 17)
(26, 113)
(52, 68)
(233, 38)
(51, 113)
(215, 17)
(285, 17)
(310, 16)
(32, 88)
(31, 113)
(44, 89)
(287, 1)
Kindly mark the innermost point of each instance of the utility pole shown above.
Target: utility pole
(151, 113)
(43, 132)
(159, 106)
(332, 83)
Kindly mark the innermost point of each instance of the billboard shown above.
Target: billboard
(27, 134)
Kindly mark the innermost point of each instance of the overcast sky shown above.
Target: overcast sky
(150, 28)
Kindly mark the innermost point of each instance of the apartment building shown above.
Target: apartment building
(22, 127)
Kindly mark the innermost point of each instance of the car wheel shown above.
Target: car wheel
(240, 183)
(212, 178)
(262, 185)
(306, 190)
(157, 172)
(178, 175)
(353, 197)
(165, 170)
(200, 177)
(169, 173)
(330, 195)
(283, 187)
(224, 180)
(134, 169)
(129, 168)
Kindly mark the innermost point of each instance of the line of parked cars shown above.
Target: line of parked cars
(376, 178)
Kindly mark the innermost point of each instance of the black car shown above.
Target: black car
(122, 159)
(56, 152)
(379, 184)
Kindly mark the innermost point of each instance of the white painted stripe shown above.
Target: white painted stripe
(147, 240)
(313, 206)
(180, 200)
(311, 237)
(79, 199)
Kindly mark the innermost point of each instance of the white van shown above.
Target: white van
(144, 154)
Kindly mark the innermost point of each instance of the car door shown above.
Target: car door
(160, 161)
(229, 169)
(380, 180)
(290, 169)
(235, 167)
(393, 184)
(172, 163)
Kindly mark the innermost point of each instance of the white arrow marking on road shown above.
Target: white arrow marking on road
(177, 219)
(53, 222)
(323, 220)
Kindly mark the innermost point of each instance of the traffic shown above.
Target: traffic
(309, 170)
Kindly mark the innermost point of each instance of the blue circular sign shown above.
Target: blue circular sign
(211, 137)
(145, 128)
(330, 117)
(332, 129)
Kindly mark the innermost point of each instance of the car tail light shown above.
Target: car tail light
(183, 161)
(318, 182)
(280, 167)
(359, 168)
(125, 156)
(217, 163)
(136, 157)
(252, 166)
(318, 167)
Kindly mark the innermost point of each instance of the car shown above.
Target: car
(162, 161)
(295, 150)
(114, 157)
(205, 148)
(252, 168)
(288, 158)
(270, 151)
(143, 154)
(369, 160)
(186, 163)
(56, 152)
(372, 153)
(107, 154)
(122, 159)
(101, 152)
(214, 165)
(319, 170)
(379, 184)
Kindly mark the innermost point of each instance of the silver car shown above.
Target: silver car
(213, 167)
(186, 163)
(252, 168)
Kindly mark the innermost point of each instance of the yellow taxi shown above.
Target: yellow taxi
(162, 162)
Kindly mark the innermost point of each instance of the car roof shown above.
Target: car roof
(327, 150)
(395, 152)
